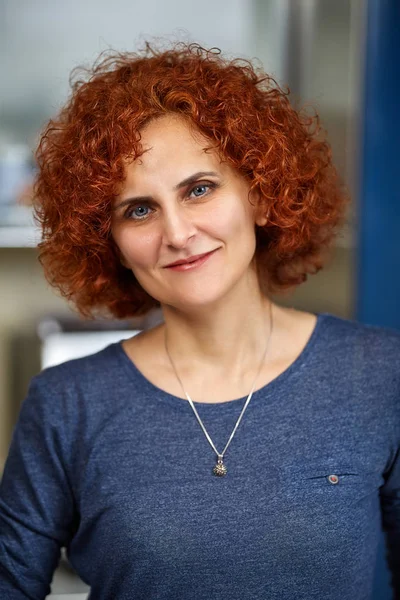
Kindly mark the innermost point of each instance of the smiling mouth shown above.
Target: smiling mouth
(190, 260)
(191, 263)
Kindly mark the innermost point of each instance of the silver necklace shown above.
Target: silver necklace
(220, 469)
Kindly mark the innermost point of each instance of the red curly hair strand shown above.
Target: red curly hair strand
(246, 116)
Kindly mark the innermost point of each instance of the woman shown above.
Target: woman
(180, 180)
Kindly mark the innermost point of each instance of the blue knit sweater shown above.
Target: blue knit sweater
(120, 472)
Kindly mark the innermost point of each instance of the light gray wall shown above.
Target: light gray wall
(42, 40)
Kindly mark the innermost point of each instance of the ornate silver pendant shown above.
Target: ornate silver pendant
(220, 468)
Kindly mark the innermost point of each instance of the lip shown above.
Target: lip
(190, 263)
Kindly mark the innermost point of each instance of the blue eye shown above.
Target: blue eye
(137, 212)
(199, 187)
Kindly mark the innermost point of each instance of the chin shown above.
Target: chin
(199, 292)
(193, 303)
(198, 297)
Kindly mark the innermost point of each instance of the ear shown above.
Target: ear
(261, 216)
(260, 211)
(262, 220)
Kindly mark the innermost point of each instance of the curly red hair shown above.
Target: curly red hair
(246, 116)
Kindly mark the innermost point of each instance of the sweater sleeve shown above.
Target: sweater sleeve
(390, 506)
(37, 511)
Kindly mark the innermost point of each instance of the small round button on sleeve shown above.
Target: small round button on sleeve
(333, 479)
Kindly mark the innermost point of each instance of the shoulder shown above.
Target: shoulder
(369, 354)
(358, 367)
(334, 336)
(93, 369)
(359, 336)
(76, 388)
(78, 396)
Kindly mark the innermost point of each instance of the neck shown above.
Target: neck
(229, 337)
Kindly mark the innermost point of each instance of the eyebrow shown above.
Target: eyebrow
(189, 180)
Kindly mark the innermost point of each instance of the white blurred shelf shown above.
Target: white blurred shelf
(19, 237)
(67, 597)
(59, 347)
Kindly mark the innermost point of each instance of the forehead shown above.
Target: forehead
(172, 129)
(171, 147)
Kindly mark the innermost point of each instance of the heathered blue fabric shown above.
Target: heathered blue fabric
(120, 472)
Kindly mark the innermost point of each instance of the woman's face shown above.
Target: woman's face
(178, 202)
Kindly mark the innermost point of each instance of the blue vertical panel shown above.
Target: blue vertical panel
(378, 254)
(378, 244)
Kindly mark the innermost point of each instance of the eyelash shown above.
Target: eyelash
(130, 209)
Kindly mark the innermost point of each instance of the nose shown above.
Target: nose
(178, 227)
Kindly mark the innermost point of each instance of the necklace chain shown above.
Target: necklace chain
(220, 468)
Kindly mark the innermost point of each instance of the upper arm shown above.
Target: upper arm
(37, 509)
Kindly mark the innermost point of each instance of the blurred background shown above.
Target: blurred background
(339, 56)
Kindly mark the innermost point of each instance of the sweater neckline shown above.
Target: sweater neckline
(147, 386)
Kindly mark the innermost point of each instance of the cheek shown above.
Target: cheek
(139, 250)
(230, 222)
